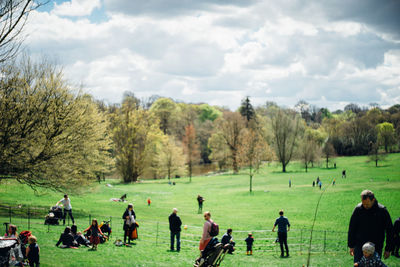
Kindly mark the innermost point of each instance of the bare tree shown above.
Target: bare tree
(13, 17)
(286, 129)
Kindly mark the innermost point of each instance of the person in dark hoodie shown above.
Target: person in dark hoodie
(175, 228)
(129, 218)
(370, 222)
(67, 239)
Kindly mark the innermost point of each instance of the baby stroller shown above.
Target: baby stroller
(54, 215)
(6, 245)
(213, 254)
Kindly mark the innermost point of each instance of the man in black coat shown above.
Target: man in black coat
(175, 228)
(227, 239)
(370, 222)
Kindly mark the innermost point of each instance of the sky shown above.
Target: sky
(328, 53)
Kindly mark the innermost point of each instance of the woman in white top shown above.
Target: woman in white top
(129, 218)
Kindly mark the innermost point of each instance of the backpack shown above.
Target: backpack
(214, 229)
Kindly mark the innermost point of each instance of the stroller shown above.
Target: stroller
(6, 245)
(106, 229)
(213, 254)
(54, 215)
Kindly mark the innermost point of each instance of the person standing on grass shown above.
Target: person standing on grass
(290, 183)
(370, 222)
(206, 237)
(95, 234)
(283, 228)
(32, 252)
(66, 202)
(129, 218)
(200, 200)
(175, 228)
(249, 244)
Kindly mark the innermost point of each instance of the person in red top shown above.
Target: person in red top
(148, 202)
(95, 233)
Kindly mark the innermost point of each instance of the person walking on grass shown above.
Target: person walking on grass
(32, 252)
(200, 200)
(95, 234)
(283, 228)
(249, 244)
(370, 222)
(66, 202)
(175, 229)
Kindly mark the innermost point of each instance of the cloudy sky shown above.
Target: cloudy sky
(329, 53)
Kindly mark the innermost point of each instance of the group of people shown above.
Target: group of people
(32, 251)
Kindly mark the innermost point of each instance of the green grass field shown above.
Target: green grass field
(231, 205)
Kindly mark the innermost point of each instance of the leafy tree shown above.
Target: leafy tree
(190, 148)
(310, 146)
(165, 110)
(49, 137)
(286, 128)
(353, 108)
(386, 135)
(171, 159)
(229, 127)
(136, 130)
(374, 154)
(208, 112)
(247, 110)
(220, 152)
(329, 152)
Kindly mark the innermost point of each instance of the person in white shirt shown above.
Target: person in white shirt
(66, 202)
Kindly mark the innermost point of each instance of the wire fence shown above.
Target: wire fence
(157, 233)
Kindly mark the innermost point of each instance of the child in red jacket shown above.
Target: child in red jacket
(95, 234)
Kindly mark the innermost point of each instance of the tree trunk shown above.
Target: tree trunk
(376, 163)
(306, 167)
(251, 183)
(327, 161)
(283, 167)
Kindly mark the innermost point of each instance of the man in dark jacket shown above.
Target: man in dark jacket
(175, 228)
(370, 222)
(227, 239)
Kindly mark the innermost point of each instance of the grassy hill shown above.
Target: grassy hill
(231, 205)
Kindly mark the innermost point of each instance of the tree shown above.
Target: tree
(49, 137)
(252, 151)
(13, 17)
(386, 135)
(247, 110)
(353, 108)
(208, 112)
(329, 152)
(374, 154)
(220, 152)
(135, 132)
(191, 148)
(229, 127)
(310, 146)
(286, 128)
(165, 110)
(171, 158)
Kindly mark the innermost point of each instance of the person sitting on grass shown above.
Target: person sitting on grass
(67, 239)
(95, 233)
(370, 258)
(32, 252)
(78, 236)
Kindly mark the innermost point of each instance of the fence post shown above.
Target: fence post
(111, 225)
(90, 219)
(9, 212)
(325, 241)
(157, 234)
(301, 240)
(29, 218)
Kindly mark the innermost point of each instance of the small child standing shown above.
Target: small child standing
(370, 257)
(95, 233)
(249, 241)
(32, 252)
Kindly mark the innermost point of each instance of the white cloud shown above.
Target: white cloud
(76, 8)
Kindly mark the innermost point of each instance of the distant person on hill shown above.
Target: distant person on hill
(122, 198)
(249, 244)
(32, 252)
(67, 239)
(396, 234)
(129, 218)
(370, 222)
(148, 202)
(334, 181)
(66, 202)
(313, 183)
(334, 165)
(290, 183)
(370, 257)
(175, 229)
(318, 180)
(344, 174)
(320, 184)
(228, 239)
(283, 228)
(200, 200)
